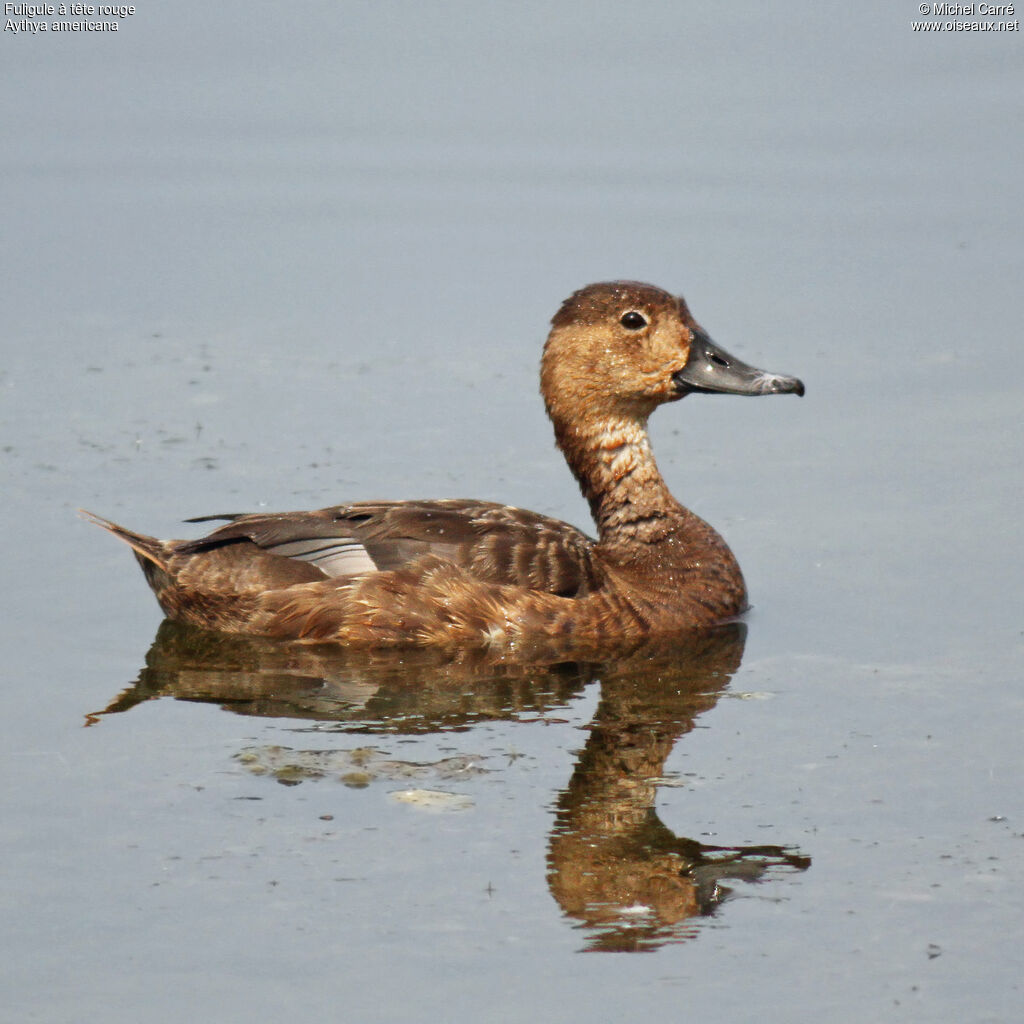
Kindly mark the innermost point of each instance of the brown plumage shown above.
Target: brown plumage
(463, 573)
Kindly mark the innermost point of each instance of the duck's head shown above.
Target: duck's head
(622, 348)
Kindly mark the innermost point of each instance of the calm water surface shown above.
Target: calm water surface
(268, 259)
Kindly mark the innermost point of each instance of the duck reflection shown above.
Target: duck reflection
(613, 866)
(349, 690)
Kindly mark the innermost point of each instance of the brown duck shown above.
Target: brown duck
(461, 573)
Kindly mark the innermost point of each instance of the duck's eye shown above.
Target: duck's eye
(633, 321)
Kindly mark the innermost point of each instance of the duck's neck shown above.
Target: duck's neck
(613, 462)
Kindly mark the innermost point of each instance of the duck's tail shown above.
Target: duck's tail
(149, 548)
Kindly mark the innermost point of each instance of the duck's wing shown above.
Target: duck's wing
(491, 543)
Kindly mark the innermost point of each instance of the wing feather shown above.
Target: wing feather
(491, 543)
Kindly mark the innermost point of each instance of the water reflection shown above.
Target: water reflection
(613, 867)
(352, 690)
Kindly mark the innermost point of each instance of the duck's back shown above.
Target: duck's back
(450, 572)
(492, 543)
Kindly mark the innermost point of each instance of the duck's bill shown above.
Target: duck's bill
(712, 370)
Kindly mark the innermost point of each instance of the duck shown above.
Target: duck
(468, 574)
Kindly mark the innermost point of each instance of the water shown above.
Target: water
(258, 258)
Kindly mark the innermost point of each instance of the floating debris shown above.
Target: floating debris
(356, 768)
(432, 799)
